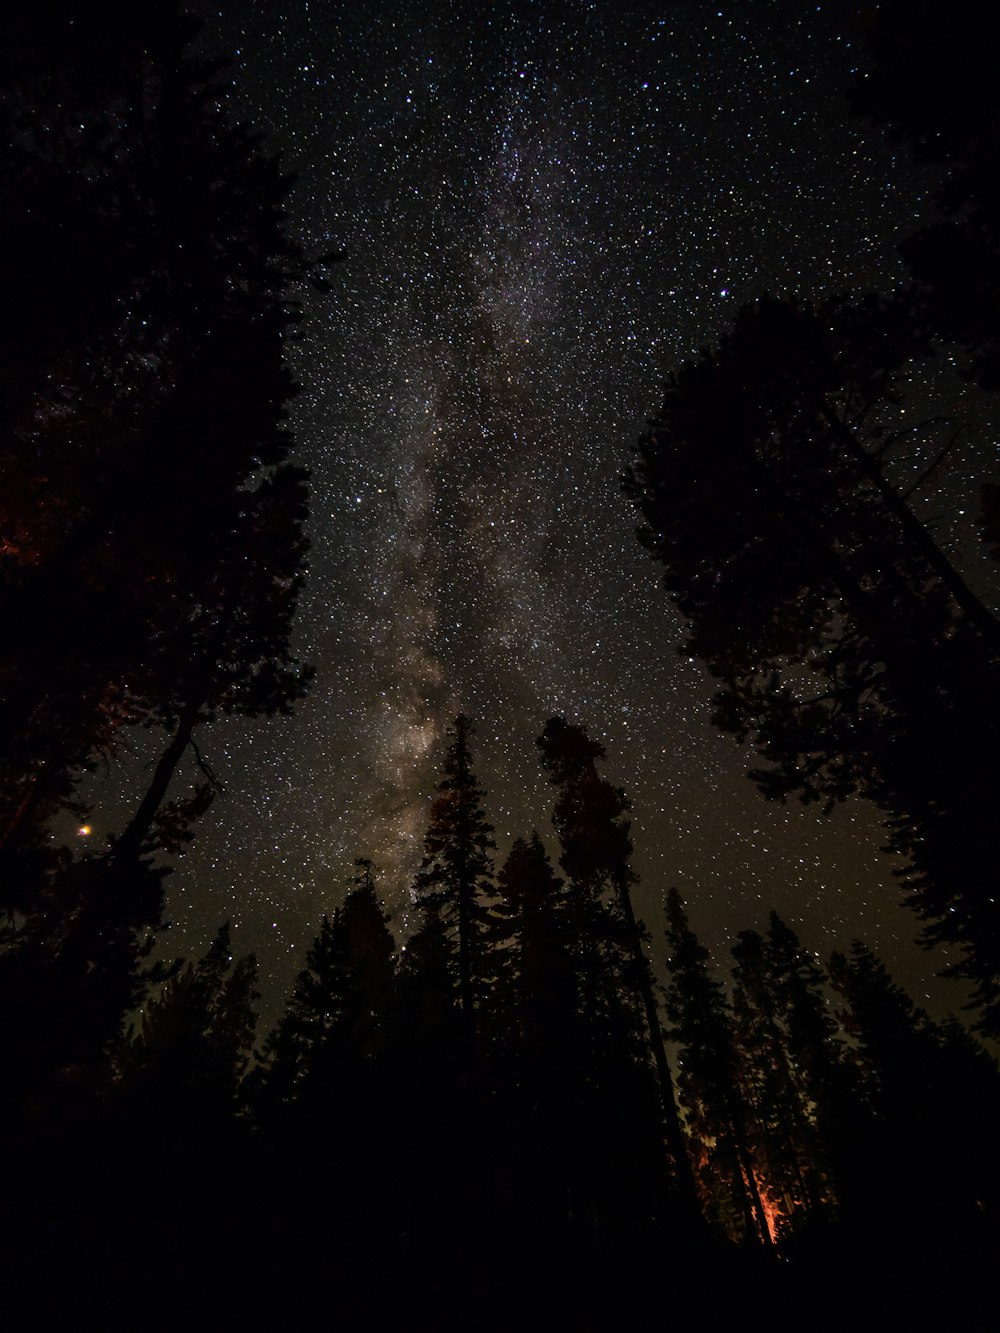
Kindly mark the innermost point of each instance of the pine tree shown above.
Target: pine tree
(814, 1046)
(184, 1066)
(533, 1125)
(933, 1092)
(537, 993)
(337, 1018)
(428, 964)
(596, 848)
(455, 875)
(788, 1143)
(718, 1118)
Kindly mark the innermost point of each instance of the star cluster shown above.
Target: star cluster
(543, 208)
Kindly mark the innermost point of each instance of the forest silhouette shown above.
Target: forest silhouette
(534, 1109)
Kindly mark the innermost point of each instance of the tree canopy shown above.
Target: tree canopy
(846, 643)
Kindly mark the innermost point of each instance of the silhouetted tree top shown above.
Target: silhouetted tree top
(929, 1085)
(456, 872)
(766, 483)
(532, 938)
(184, 1065)
(798, 986)
(589, 812)
(526, 882)
(337, 1017)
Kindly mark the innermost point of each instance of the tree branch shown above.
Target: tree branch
(213, 781)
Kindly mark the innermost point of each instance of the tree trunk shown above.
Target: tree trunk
(751, 1189)
(129, 845)
(668, 1100)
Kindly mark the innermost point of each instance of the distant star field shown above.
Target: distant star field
(544, 208)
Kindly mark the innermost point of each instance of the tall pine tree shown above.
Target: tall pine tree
(788, 1149)
(338, 1019)
(716, 1110)
(594, 836)
(455, 878)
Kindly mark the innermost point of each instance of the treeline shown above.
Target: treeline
(518, 1007)
(453, 1126)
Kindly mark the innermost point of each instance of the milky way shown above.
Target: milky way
(543, 209)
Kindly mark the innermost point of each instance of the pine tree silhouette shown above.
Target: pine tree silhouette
(716, 1110)
(596, 848)
(455, 874)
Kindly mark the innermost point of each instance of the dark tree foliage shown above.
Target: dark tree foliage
(822, 1082)
(456, 873)
(596, 847)
(452, 1184)
(543, 1058)
(184, 1065)
(338, 1014)
(933, 84)
(772, 1080)
(845, 642)
(151, 546)
(329, 1095)
(150, 526)
(313, 1010)
(717, 1115)
(536, 998)
(934, 1092)
(73, 973)
(589, 812)
(426, 976)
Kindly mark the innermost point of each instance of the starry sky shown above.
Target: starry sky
(544, 208)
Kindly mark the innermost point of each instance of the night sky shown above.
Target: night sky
(544, 208)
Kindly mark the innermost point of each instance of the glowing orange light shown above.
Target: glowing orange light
(84, 830)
